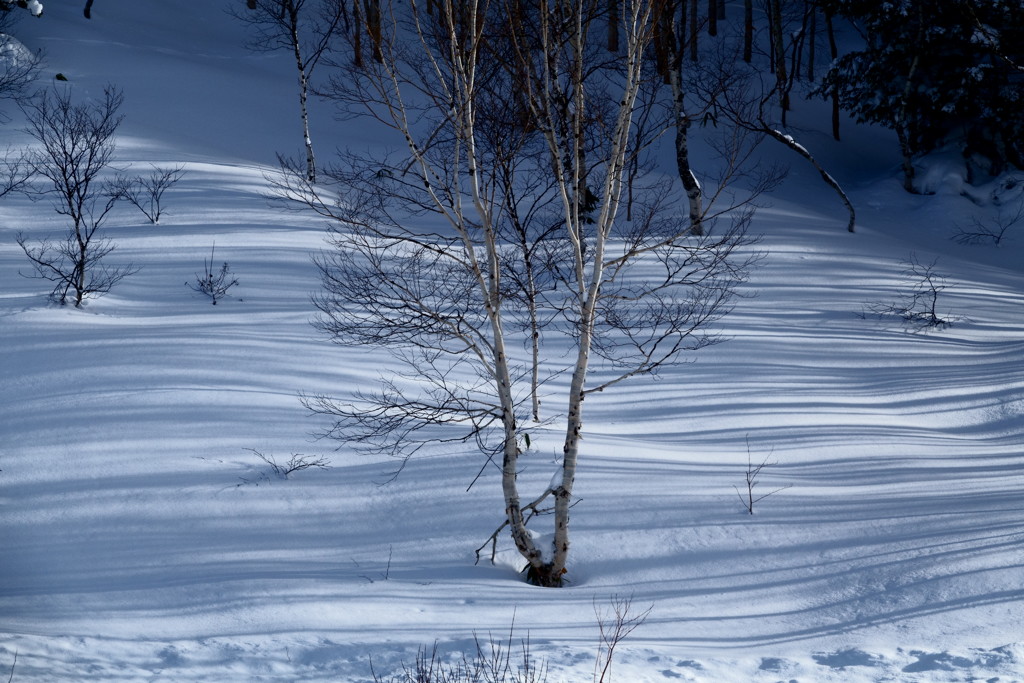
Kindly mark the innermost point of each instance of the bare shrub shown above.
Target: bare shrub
(494, 661)
(918, 302)
(992, 231)
(146, 192)
(614, 626)
(296, 463)
(753, 473)
(214, 283)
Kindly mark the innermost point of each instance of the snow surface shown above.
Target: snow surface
(140, 539)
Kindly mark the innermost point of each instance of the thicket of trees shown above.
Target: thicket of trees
(947, 73)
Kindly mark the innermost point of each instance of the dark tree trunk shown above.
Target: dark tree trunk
(834, 53)
(374, 28)
(357, 35)
(779, 48)
(812, 39)
(694, 29)
(613, 25)
(748, 30)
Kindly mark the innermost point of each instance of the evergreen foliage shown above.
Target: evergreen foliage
(948, 73)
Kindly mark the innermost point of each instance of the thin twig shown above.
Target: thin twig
(611, 634)
(752, 475)
(493, 538)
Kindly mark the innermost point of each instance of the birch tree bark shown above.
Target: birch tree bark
(564, 50)
(306, 30)
(419, 255)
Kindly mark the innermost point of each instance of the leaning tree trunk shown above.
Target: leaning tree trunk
(307, 140)
(588, 256)
(514, 510)
(310, 158)
(825, 175)
(82, 260)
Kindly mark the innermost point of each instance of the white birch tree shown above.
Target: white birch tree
(418, 254)
(303, 28)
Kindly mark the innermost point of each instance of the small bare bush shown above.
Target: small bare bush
(146, 192)
(497, 661)
(296, 463)
(747, 496)
(492, 662)
(613, 627)
(918, 302)
(992, 231)
(214, 283)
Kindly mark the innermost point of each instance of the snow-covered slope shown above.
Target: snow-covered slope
(142, 539)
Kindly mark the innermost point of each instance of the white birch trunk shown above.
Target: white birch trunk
(466, 200)
(488, 274)
(637, 14)
(303, 97)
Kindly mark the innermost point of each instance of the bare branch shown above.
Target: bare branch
(992, 231)
(613, 629)
(296, 463)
